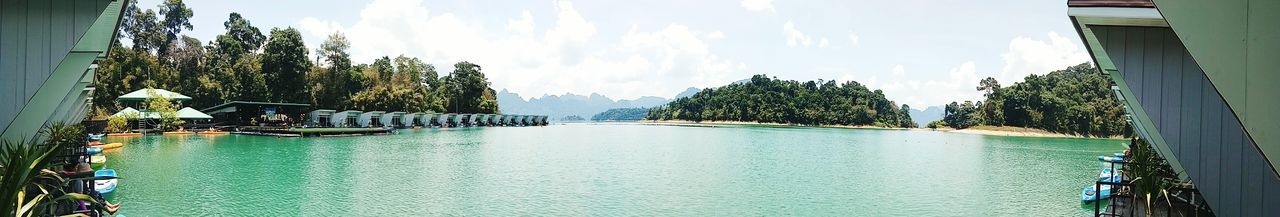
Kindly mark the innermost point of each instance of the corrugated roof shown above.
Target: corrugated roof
(1111, 3)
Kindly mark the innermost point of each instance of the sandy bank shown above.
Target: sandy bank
(1019, 131)
(748, 123)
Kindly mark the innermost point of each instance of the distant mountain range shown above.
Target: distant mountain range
(923, 117)
(559, 106)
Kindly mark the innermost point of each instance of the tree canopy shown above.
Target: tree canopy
(766, 100)
(1076, 100)
(244, 64)
(621, 114)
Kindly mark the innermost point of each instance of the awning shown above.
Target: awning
(140, 95)
(190, 113)
(125, 112)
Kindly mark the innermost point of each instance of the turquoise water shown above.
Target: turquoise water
(607, 170)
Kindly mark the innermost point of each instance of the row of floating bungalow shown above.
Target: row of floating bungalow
(326, 118)
(296, 119)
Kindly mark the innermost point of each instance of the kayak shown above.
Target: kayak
(1120, 155)
(123, 134)
(96, 143)
(1090, 194)
(96, 137)
(1112, 159)
(105, 186)
(1109, 175)
(97, 159)
(93, 150)
(113, 146)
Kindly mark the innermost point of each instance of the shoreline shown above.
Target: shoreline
(1022, 132)
(976, 130)
(748, 123)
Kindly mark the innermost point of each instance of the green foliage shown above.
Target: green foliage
(621, 114)
(962, 116)
(177, 16)
(332, 86)
(117, 124)
(243, 64)
(1150, 174)
(166, 108)
(26, 165)
(573, 118)
(241, 37)
(1076, 100)
(284, 66)
(766, 100)
(142, 28)
(466, 90)
(936, 124)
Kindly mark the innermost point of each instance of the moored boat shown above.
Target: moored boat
(1109, 175)
(97, 159)
(93, 150)
(1091, 193)
(1112, 159)
(176, 133)
(214, 133)
(113, 145)
(105, 181)
(123, 134)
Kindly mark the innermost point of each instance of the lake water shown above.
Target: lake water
(608, 170)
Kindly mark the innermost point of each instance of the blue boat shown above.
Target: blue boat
(1112, 159)
(1121, 155)
(1090, 194)
(106, 181)
(1109, 175)
(93, 150)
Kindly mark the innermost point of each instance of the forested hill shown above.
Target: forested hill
(1076, 100)
(273, 64)
(770, 100)
(621, 114)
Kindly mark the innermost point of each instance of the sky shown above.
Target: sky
(920, 53)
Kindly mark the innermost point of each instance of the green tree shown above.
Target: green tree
(164, 107)
(285, 64)
(143, 29)
(1076, 100)
(333, 85)
(177, 17)
(468, 91)
(241, 38)
(763, 99)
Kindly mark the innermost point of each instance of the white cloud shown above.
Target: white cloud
(523, 26)
(853, 39)
(758, 5)
(921, 93)
(794, 36)
(1027, 56)
(824, 42)
(559, 59)
(715, 35)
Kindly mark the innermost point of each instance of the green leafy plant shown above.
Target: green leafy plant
(1152, 177)
(27, 186)
(117, 124)
(165, 107)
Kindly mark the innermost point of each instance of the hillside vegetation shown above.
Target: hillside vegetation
(1077, 100)
(771, 100)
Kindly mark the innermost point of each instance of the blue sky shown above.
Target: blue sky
(920, 53)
